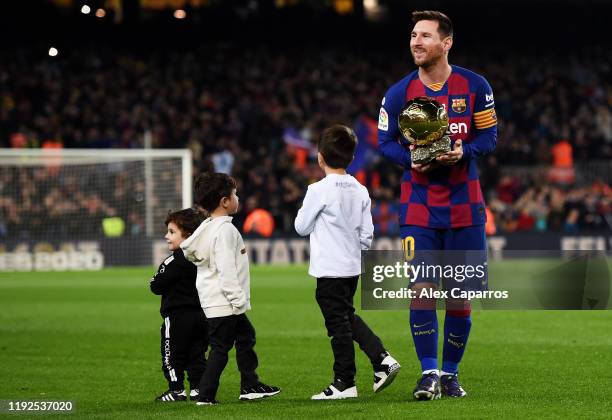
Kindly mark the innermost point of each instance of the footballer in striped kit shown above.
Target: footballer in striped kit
(441, 203)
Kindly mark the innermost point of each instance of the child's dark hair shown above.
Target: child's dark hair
(187, 220)
(337, 145)
(210, 188)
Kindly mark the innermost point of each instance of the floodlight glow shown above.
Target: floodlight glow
(180, 14)
(85, 9)
(370, 4)
(53, 51)
(100, 13)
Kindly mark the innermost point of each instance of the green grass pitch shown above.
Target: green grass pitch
(93, 338)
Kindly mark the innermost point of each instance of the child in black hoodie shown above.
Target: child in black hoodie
(184, 332)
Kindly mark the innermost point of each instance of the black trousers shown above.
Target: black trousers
(335, 298)
(184, 340)
(224, 332)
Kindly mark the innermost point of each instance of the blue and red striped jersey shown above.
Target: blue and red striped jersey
(448, 196)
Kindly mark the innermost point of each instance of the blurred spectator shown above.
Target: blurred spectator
(490, 227)
(562, 171)
(259, 222)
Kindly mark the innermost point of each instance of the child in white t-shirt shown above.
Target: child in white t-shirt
(336, 215)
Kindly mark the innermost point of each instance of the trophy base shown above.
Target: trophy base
(424, 154)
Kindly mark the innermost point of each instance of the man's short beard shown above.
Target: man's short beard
(431, 62)
(424, 64)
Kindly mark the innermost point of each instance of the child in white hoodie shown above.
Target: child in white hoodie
(217, 249)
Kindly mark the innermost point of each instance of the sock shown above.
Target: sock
(424, 328)
(425, 372)
(456, 333)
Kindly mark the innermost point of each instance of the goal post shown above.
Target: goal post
(67, 200)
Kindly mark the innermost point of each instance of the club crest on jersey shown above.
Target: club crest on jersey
(458, 105)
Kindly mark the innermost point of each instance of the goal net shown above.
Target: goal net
(87, 208)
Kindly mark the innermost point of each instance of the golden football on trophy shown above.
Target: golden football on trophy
(423, 121)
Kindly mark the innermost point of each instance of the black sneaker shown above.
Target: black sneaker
(194, 394)
(207, 401)
(450, 386)
(338, 390)
(428, 387)
(172, 396)
(258, 391)
(385, 373)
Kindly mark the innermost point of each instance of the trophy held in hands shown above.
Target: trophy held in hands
(423, 121)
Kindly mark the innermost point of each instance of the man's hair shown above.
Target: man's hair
(187, 220)
(337, 145)
(445, 26)
(210, 188)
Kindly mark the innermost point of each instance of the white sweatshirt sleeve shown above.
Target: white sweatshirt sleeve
(305, 219)
(225, 258)
(366, 233)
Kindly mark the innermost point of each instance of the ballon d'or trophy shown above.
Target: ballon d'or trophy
(423, 121)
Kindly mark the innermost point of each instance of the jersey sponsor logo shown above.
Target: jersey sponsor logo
(457, 128)
(489, 98)
(383, 120)
(458, 105)
(169, 260)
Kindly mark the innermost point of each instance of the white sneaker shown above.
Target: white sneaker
(385, 373)
(336, 391)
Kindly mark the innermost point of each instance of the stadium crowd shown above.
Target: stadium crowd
(256, 113)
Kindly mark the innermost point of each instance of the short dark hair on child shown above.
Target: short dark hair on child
(210, 188)
(187, 220)
(337, 145)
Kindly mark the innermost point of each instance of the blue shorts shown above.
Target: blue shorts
(459, 247)
(457, 239)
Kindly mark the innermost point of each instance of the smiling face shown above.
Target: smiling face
(427, 45)
(174, 236)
